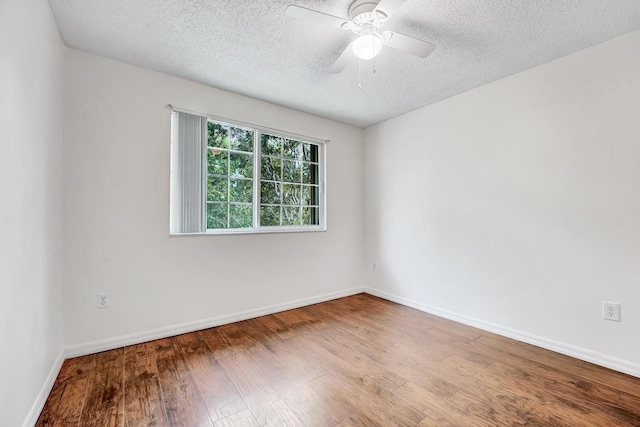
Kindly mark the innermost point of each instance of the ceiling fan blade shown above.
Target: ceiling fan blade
(410, 45)
(342, 61)
(389, 6)
(313, 15)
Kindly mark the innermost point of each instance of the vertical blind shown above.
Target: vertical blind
(189, 143)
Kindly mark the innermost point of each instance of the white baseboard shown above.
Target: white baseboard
(154, 334)
(37, 406)
(557, 346)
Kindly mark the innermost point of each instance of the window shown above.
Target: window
(235, 178)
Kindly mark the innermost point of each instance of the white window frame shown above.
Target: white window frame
(257, 179)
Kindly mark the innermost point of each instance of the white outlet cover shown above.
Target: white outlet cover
(104, 300)
(611, 311)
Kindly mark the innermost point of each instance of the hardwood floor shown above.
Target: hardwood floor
(356, 361)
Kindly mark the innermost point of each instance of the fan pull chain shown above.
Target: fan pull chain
(360, 73)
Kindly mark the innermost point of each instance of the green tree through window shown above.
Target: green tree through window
(289, 191)
(229, 176)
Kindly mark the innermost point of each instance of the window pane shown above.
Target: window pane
(270, 193)
(310, 173)
(240, 139)
(271, 168)
(218, 135)
(290, 215)
(271, 145)
(310, 216)
(269, 216)
(309, 152)
(241, 165)
(241, 190)
(310, 195)
(216, 215)
(291, 194)
(240, 216)
(217, 161)
(291, 149)
(290, 171)
(216, 189)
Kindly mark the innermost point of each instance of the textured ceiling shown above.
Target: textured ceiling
(251, 47)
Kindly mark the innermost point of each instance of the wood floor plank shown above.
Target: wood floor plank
(227, 340)
(558, 380)
(276, 326)
(567, 410)
(219, 395)
(593, 409)
(286, 372)
(399, 315)
(239, 419)
(218, 342)
(142, 394)
(104, 403)
(435, 407)
(301, 320)
(355, 361)
(65, 402)
(367, 407)
(369, 334)
(312, 409)
(342, 361)
(404, 360)
(588, 371)
(281, 363)
(263, 402)
(182, 401)
(630, 403)
(481, 412)
(490, 399)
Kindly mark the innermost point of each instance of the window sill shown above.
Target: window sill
(265, 230)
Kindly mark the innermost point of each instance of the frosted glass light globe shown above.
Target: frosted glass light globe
(367, 46)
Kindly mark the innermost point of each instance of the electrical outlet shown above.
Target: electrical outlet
(611, 311)
(104, 300)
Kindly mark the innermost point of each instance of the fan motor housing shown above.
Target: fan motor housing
(359, 7)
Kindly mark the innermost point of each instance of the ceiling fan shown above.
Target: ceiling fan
(366, 18)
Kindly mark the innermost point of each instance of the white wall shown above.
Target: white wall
(30, 192)
(116, 212)
(517, 205)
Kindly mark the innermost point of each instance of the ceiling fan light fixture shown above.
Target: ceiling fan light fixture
(367, 46)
